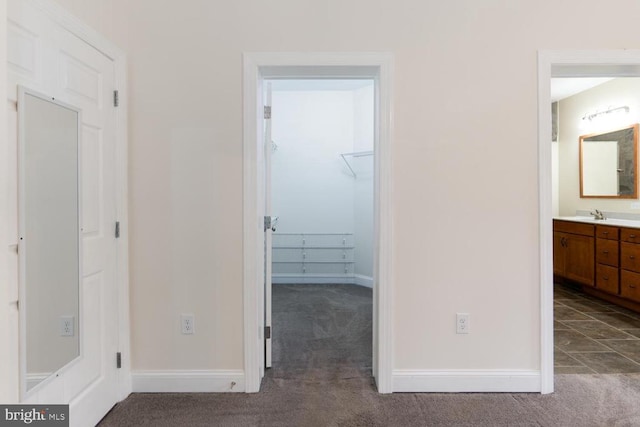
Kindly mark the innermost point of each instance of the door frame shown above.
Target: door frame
(563, 63)
(256, 68)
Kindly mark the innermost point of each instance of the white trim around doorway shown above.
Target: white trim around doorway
(258, 66)
(563, 63)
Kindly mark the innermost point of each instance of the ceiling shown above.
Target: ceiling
(565, 87)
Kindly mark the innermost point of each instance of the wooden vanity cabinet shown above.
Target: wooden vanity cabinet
(573, 251)
(607, 259)
(603, 258)
(630, 263)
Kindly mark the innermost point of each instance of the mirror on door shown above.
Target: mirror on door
(50, 245)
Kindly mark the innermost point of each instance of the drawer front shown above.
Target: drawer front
(630, 256)
(607, 278)
(607, 252)
(630, 285)
(606, 232)
(574, 227)
(631, 235)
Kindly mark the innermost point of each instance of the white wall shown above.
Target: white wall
(312, 189)
(465, 179)
(617, 92)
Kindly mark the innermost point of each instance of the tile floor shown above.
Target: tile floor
(593, 336)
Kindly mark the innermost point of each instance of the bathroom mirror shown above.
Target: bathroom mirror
(49, 243)
(608, 164)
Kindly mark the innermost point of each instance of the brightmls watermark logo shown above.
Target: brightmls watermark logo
(35, 415)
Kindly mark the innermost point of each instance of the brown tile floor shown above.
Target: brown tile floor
(593, 336)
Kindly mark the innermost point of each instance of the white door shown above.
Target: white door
(44, 57)
(269, 227)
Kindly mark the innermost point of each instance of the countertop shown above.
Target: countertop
(614, 222)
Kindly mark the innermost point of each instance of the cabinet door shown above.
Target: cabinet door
(579, 263)
(558, 253)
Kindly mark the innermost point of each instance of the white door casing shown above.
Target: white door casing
(257, 68)
(268, 232)
(563, 63)
(51, 52)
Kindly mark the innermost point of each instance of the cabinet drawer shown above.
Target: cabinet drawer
(630, 285)
(630, 256)
(606, 232)
(607, 278)
(631, 235)
(607, 252)
(574, 227)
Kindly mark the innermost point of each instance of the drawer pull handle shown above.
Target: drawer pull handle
(632, 286)
(605, 252)
(605, 277)
(632, 257)
(605, 232)
(632, 236)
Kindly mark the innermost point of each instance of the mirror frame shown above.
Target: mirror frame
(23, 306)
(633, 195)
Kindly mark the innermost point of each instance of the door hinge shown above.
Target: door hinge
(267, 332)
(117, 233)
(116, 98)
(118, 360)
(267, 111)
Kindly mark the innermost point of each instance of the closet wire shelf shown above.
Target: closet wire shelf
(326, 251)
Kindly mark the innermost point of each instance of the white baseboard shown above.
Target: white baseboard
(365, 281)
(188, 381)
(306, 279)
(460, 381)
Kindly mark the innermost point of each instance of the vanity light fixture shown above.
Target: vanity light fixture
(607, 111)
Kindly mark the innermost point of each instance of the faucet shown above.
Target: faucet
(598, 215)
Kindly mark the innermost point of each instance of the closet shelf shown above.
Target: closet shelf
(313, 234)
(354, 154)
(313, 262)
(313, 247)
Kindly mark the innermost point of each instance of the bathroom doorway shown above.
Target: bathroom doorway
(595, 332)
(580, 333)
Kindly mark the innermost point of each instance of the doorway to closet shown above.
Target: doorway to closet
(321, 190)
(261, 66)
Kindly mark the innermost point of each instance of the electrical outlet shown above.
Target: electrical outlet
(462, 323)
(67, 326)
(188, 324)
(635, 205)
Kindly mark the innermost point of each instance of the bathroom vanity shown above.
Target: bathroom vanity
(601, 255)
